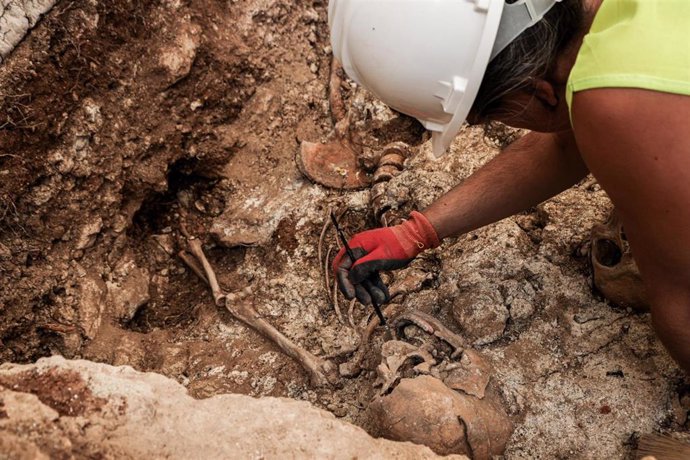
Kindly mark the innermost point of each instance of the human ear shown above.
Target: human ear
(546, 93)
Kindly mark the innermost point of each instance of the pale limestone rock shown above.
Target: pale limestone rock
(176, 58)
(116, 412)
(480, 312)
(17, 17)
(253, 220)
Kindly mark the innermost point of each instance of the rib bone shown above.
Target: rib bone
(432, 326)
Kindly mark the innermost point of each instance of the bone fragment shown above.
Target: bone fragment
(350, 313)
(191, 262)
(432, 326)
(327, 277)
(335, 97)
(385, 173)
(353, 367)
(616, 274)
(394, 355)
(393, 159)
(322, 236)
(336, 304)
(198, 252)
(425, 411)
(471, 376)
(333, 164)
(321, 372)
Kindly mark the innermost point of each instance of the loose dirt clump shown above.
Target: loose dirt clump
(126, 125)
(64, 391)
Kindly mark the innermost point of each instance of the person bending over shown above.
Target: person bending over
(603, 86)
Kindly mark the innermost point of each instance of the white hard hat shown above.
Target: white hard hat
(427, 58)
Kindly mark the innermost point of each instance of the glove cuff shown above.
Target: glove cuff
(427, 233)
(416, 234)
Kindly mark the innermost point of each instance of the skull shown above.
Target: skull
(437, 392)
(425, 411)
(616, 274)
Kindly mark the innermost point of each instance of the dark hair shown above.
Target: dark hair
(531, 55)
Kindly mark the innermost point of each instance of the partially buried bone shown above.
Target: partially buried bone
(616, 274)
(425, 411)
(385, 203)
(471, 375)
(467, 371)
(353, 367)
(321, 372)
(431, 326)
(434, 399)
(394, 355)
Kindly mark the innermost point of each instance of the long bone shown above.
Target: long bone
(321, 372)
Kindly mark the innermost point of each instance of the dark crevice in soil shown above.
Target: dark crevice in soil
(154, 214)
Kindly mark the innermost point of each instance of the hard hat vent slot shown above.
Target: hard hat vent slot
(482, 5)
(451, 93)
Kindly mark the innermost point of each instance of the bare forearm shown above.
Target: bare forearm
(531, 170)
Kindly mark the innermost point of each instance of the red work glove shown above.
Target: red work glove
(388, 248)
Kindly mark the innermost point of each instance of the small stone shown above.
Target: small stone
(88, 234)
(166, 243)
(185, 198)
(120, 223)
(128, 290)
(521, 309)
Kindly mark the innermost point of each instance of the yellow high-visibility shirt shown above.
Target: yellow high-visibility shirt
(635, 44)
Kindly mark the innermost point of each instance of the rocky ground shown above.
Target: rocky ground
(126, 124)
(68, 409)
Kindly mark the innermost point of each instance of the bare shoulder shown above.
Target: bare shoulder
(639, 134)
(637, 144)
(629, 112)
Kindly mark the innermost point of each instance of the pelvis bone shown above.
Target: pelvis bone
(616, 274)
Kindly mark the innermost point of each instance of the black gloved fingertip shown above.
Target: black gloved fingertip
(362, 295)
(378, 295)
(381, 286)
